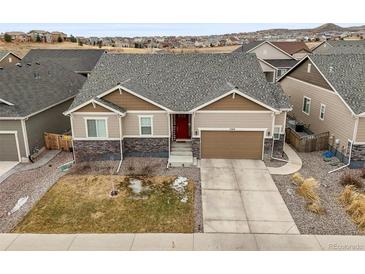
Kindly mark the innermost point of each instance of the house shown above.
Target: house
(340, 46)
(81, 61)
(18, 36)
(328, 94)
(269, 56)
(32, 99)
(178, 106)
(296, 49)
(40, 36)
(8, 58)
(56, 35)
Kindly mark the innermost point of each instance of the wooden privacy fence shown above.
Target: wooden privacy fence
(58, 141)
(307, 143)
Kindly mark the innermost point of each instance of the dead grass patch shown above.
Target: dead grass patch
(354, 203)
(82, 204)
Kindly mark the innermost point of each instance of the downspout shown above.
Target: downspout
(169, 129)
(273, 143)
(72, 138)
(120, 143)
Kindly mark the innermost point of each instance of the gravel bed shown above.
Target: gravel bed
(33, 183)
(148, 167)
(269, 162)
(335, 221)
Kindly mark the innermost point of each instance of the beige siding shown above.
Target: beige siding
(360, 137)
(266, 67)
(79, 125)
(338, 118)
(131, 123)
(280, 120)
(236, 102)
(232, 120)
(129, 101)
(267, 51)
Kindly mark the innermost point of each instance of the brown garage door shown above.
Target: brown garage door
(8, 148)
(232, 144)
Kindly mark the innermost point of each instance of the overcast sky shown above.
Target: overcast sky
(131, 30)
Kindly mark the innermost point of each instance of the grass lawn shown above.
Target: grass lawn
(82, 204)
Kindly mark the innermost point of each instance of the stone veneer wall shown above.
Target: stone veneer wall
(86, 151)
(146, 147)
(195, 143)
(358, 156)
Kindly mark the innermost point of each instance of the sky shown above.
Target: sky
(132, 30)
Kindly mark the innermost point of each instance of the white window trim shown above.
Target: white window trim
(279, 132)
(320, 112)
(97, 118)
(310, 103)
(140, 125)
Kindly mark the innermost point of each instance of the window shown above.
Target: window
(322, 110)
(96, 128)
(277, 130)
(145, 125)
(306, 105)
(309, 68)
(281, 72)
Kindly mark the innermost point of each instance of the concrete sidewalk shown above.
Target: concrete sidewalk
(189, 242)
(294, 163)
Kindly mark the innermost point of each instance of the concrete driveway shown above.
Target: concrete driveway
(239, 196)
(5, 166)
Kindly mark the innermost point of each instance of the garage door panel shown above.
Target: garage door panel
(8, 148)
(232, 144)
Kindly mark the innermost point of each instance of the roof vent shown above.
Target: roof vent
(36, 75)
(29, 64)
(18, 65)
(37, 63)
(331, 69)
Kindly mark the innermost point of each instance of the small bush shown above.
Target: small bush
(298, 178)
(347, 195)
(308, 190)
(354, 203)
(349, 178)
(316, 207)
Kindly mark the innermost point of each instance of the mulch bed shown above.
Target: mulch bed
(335, 221)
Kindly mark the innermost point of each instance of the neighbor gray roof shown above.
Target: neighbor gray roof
(346, 73)
(347, 43)
(282, 63)
(182, 82)
(342, 50)
(3, 53)
(80, 60)
(248, 46)
(34, 87)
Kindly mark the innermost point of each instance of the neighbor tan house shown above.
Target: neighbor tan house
(8, 58)
(18, 36)
(179, 107)
(274, 61)
(328, 94)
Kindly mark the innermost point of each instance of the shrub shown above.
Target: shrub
(349, 178)
(316, 207)
(354, 203)
(347, 195)
(298, 178)
(307, 189)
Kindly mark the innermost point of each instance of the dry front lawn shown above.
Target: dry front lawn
(82, 204)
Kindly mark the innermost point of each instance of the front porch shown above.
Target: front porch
(181, 154)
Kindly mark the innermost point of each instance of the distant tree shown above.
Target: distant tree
(80, 43)
(38, 38)
(73, 39)
(7, 38)
(100, 44)
(59, 39)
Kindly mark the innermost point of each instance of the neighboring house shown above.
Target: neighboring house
(328, 94)
(269, 56)
(340, 46)
(56, 35)
(32, 99)
(81, 61)
(8, 58)
(296, 49)
(42, 35)
(18, 36)
(218, 105)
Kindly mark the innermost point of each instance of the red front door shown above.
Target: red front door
(182, 126)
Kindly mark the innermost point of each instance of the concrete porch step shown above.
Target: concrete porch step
(181, 148)
(181, 153)
(181, 161)
(181, 145)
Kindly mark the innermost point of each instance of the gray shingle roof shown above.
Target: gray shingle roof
(342, 50)
(35, 87)
(282, 63)
(246, 47)
(182, 82)
(80, 60)
(347, 43)
(346, 74)
(3, 53)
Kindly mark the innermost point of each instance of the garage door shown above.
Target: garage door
(232, 144)
(8, 148)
